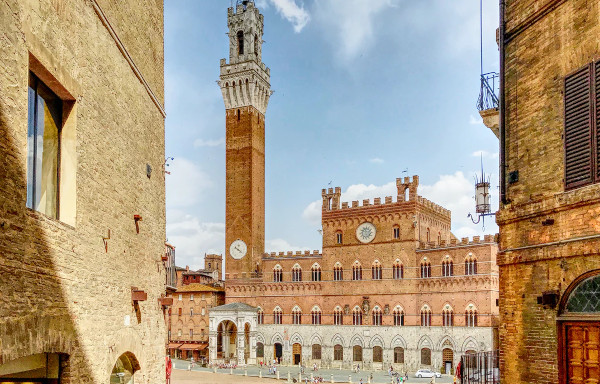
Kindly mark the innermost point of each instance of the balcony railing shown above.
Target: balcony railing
(488, 94)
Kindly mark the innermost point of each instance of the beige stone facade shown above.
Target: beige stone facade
(67, 278)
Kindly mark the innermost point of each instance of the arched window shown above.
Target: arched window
(425, 269)
(396, 232)
(377, 354)
(296, 315)
(316, 272)
(357, 353)
(425, 316)
(398, 270)
(316, 351)
(338, 237)
(447, 268)
(338, 272)
(277, 273)
(357, 316)
(260, 315)
(338, 352)
(376, 316)
(338, 316)
(356, 271)
(277, 315)
(471, 316)
(425, 356)
(316, 315)
(296, 273)
(399, 355)
(448, 316)
(240, 38)
(260, 350)
(398, 316)
(376, 270)
(470, 265)
(256, 44)
(428, 236)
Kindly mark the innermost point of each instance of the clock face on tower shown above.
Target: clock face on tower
(238, 249)
(365, 233)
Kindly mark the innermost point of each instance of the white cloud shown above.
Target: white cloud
(209, 143)
(352, 22)
(280, 245)
(485, 154)
(475, 121)
(454, 192)
(377, 160)
(186, 183)
(289, 10)
(192, 238)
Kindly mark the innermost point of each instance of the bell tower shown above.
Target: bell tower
(244, 82)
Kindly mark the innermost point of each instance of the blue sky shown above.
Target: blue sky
(364, 91)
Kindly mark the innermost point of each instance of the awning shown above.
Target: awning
(174, 345)
(193, 347)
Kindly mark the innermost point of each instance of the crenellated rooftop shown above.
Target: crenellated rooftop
(465, 241)
(292, 254)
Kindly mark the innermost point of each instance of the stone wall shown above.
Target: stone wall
(64, 289)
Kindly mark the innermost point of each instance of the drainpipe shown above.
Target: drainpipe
(503, 199)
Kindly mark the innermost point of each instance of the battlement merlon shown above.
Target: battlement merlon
(331, 198)
(407, 188)
(291, 254)
(463, 242)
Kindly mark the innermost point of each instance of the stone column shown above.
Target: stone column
(212, 346)
(240, 348)
(225, 343)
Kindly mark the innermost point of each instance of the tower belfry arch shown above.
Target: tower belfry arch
(244, 83)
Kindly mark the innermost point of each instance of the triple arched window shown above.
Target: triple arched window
(357, 316)
(471, 316)
(425, 316)
(261, 316)
(338, 272)
(296, 273)
(277, 315)
(471, 265)
(377, 316)
(296, 315)
(316, 272)
(448, 316)
(338, 316)
(398, 316)
(398, 270)
(316, 315)
(425, 269)
(376, 270)
(447, 268)
(277, 274)
(356, 271)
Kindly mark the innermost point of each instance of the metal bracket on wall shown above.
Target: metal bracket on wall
(105, 240)
(137, 219)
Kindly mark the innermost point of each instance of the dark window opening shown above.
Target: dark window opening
(240, 37)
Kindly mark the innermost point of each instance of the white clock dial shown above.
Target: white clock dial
(238, 249)
(365, 233)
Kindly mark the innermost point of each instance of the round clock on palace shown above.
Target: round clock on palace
(365, 233)
(238, 249)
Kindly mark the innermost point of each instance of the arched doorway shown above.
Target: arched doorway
(297, 353)
(277, 352)
(448, 359)
(357, 353)
(123, 371)
(227, 341)
(579, 330)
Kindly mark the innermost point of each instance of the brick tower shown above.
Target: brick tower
(244, 82)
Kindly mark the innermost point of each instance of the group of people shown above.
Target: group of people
(224, 365)
(314, 380)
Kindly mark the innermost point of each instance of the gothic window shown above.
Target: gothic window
(357, 316)
(277, 273)
(448, 316)
(356, 271)
(296, 273)
(377, 354)
(338, 272)
(585, 298)
(260, 350)
(471, 265)
(316, 315)
(357, 353)
(316, 351)
(277, 315)
(376, 270)
(398, 316)
(316, 272)
(297, 315)
(338, 237)
(396, 232)
(261, 316)
(447, 268)
(471, 316)
(399, 355)
(338, 316)
(425, 316)
(376, 316)
(425, 269)
(338, 353)
(398, 270)
(425, 356)
(240, 38)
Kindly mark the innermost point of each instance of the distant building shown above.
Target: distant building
(392, 286)
(170, 268)
(82, 191)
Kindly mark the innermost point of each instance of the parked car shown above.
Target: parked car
(427, 373)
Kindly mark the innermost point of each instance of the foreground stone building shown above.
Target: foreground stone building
(549, 234)
(392, 285)
(82, 192)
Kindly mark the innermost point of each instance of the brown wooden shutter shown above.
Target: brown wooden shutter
(596, 119)
(578, 129)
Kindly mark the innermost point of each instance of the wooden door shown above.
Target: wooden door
(582, 344)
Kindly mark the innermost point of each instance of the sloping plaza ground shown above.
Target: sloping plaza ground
(201, 375)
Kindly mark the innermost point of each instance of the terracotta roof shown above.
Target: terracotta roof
(197, 287)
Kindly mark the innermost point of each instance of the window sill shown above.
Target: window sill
(43, 217)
